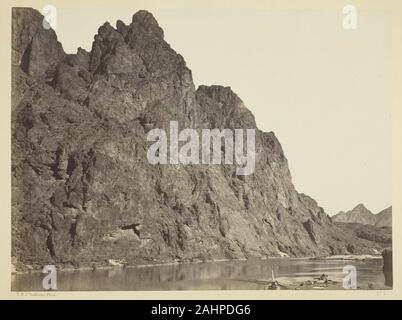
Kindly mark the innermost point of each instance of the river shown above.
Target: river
(252, 274)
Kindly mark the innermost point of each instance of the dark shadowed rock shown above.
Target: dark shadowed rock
(384, 218)
(34, 48)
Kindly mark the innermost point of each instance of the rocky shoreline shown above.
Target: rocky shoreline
(111, 264)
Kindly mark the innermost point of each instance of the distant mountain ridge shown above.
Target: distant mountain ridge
(360, 214)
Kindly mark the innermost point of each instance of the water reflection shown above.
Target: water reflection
(224, 275)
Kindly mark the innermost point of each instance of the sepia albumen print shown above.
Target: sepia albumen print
(265, 166)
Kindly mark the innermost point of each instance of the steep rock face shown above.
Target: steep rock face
(34, 48)
(82, 188)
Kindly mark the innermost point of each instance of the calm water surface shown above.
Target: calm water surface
(224, 275)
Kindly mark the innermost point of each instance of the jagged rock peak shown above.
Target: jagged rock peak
(128, 48)
(358, 214)
(360, 206)
(142, 22)
(145, 21)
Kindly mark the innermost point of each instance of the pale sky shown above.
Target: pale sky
(324, 91)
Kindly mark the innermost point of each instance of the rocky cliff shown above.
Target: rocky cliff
(82, 189)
